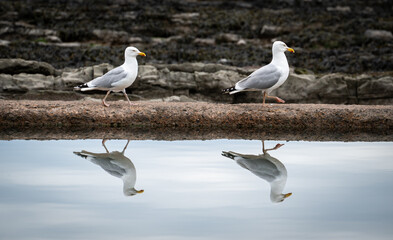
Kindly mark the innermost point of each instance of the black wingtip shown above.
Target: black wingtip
(228, 90)
(79, 87)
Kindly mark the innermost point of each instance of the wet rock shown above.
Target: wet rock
(241, 42)
(296, 88)
(73, 77)
(26, 82)
(270, 31)
(135, 40)
(111, 35)
(331, 88)
(185, 18)
(16, 66)
(378, 34)
(339, 9)
(4, 43)
(177, 80)
(204, 41)
(380, 88)
(227, 38)
(53, 38)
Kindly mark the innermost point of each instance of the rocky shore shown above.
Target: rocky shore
(188, 82)
(344, 49)
(329, 36)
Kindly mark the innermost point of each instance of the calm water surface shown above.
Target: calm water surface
(215, 189)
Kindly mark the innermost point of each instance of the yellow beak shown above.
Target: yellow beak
(140, 191)
(287, 195)
(142, 54)
(291, 50)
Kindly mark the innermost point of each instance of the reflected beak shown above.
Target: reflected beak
(140, 191)
(287, 195)
(142, 54)
(291, 50)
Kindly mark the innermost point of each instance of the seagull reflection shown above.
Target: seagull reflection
(265, 167)
(116, 164)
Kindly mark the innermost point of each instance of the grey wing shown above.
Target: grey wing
(263, 78)
(108, 166)
(262, 168)
(104, 161)
(107, 80)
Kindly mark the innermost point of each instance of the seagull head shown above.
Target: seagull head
(132, 192)
(133, 52)
(280, 197)
(279, 46)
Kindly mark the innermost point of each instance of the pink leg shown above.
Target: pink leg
(279, 100)
(125, 94)
(103, 100)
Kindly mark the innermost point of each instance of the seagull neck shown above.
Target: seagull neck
(131, 62)
(279, 58)
(277, 187)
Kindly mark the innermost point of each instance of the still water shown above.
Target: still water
(214, 189)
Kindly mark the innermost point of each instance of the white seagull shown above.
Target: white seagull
(266, 78)
(117, 79)
(116, 164)
(265, 167)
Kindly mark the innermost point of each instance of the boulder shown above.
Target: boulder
(339, 9)
(185, 18)
(26, 82)
(204, 41)
(295, 89)
(111, 36)
(177, 80)
(376, 88)
(330, 88)
(270, 31)
(73, 77)
(216, 81)
(227, 38)
(16, 66)
(378, 34)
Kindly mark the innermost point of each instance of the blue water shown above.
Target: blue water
(191, 191)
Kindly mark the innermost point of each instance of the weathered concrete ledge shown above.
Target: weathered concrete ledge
(173, 121)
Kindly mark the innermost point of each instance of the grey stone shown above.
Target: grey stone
(16, 66)
(7, 83)
(241, 42)
(339, 9)
(111, 36)
(227, 37)
(26, 82)
(101, 69)
(4, 42)
(185, 18)
(177, 80)
(378, 34)
(270, 31)
(376, 88)
(216, 81)
(331, 88)
(204, 41)
(295, 89)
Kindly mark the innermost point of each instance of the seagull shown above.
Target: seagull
(116, 164)
(266, 78)
(265, 167)
(117, 79)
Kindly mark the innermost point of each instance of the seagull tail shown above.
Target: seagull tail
(228, 155)
(81, 87)
(230, 90)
